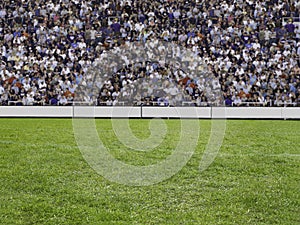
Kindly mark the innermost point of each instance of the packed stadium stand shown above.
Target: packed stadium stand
(251, 50)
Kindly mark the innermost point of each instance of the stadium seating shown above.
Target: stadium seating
(251, 50)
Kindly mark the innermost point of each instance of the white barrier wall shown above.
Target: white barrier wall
(107, 112)
(176, 112)
(248, 113)
(35, 111)
(146, 112)
(291, 113)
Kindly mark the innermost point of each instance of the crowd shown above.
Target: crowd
(233, 52)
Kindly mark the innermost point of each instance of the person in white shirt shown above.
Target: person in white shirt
(63, 100)
(29, 100)
(256, 45)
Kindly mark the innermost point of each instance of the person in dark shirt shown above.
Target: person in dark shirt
(128, 9)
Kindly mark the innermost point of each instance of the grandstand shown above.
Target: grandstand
(251, 49)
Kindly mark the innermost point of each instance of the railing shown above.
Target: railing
(287, 104)
(188, 103)
(201, 104)
(266, 104)
(12, 103)
(96, 103)
(155, 103)
(251, 104)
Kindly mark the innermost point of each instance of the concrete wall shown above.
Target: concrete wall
(145, 112)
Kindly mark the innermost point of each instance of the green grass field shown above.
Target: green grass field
(254, 179)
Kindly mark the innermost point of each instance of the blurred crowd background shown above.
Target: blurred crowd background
(248, 52)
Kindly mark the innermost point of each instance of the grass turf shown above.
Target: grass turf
(45, 180)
